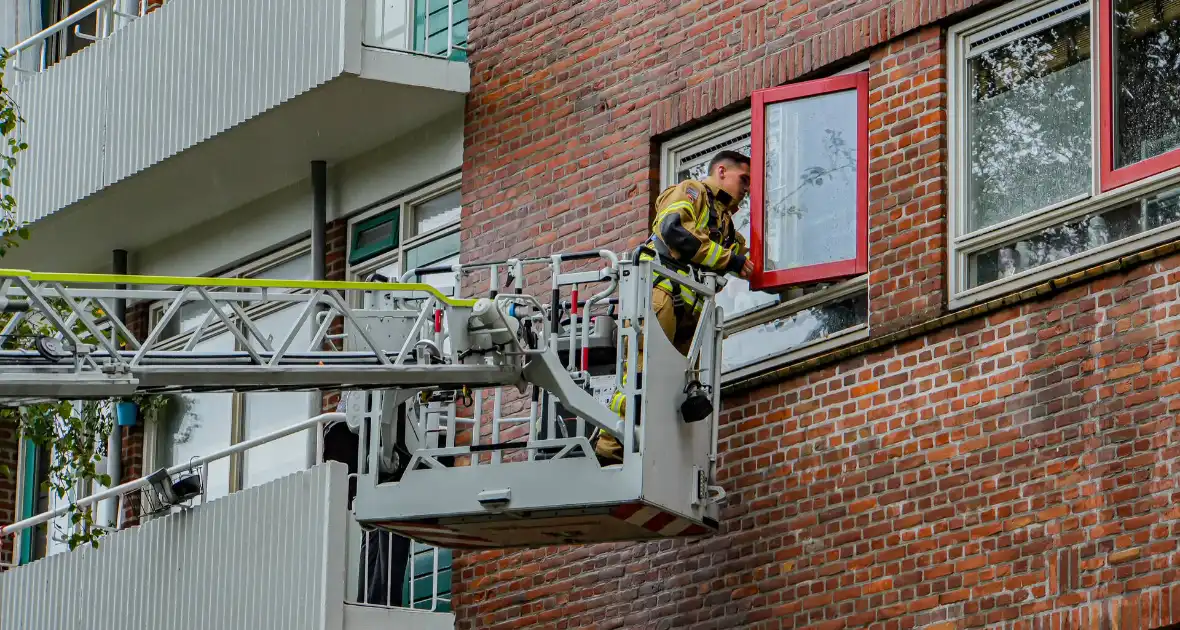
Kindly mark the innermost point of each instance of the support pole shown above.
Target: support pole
(319, 189)
(319, 226)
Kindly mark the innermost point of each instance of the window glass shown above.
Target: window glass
(381, 299)
(443, 251)
(1029, 118)
(1147, 94)
(270, 411)
(191, 314)
(199, 424)
(810, 181)
(793, 331)
(379, 233)
(298, 268)
(437, 213)
(387, 24)
(1075, 237)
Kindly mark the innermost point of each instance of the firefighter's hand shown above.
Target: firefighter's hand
(747, 268)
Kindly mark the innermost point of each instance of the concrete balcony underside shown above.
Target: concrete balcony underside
(202, 107)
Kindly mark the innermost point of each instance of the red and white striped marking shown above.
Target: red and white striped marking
(438, 535)
(656, 520)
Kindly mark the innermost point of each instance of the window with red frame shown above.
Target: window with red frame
(1064, 138)
(809, 182)
(1139, 71)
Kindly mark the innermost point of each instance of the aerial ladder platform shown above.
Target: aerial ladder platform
(477, 417)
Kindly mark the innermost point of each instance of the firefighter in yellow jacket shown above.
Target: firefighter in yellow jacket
(693, 228)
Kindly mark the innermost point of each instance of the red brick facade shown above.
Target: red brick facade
(1014, 470)
(335, 268)
(9, 457)
(907, 130)
(1019, 467)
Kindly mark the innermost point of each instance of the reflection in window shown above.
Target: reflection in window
(1147, 94)
(439, 252)
(794, 331)
(1029, 123)
(737, 298)
(379, 233)
(199, 424)
(270, 411)
(437, 213)
(811, 160)
(1075, 237)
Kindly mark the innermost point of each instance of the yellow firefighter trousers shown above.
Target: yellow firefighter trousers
(679, 332)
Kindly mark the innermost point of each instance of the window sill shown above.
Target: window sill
(1065, 266)
(819, 346)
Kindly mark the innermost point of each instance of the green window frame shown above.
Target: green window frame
(436, 42)
(33, 471)
(421, 576)
(361, 254)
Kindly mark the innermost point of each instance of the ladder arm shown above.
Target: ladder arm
(75, 350)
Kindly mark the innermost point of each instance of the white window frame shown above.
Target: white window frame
(407, 240)
(962, 245)
(237, 424)
(246, 270)
(794, 300)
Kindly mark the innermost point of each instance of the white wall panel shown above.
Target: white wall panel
(271, 557)
(167, 81)
(424, 154)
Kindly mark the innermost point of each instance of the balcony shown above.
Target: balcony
(284, 554)
(167, 119)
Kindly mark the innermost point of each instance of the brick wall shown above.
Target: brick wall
(1018, 467)
(335, 268)
(9, 457)
(567, 108)
(907, 134)
(1011, 471)
(138, 319)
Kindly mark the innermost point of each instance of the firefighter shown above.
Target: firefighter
(693, 230)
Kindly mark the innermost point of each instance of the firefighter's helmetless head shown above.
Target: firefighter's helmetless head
(730, 171)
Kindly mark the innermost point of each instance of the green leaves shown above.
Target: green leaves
(10, 121)
(75, 434)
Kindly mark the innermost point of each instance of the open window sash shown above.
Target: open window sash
(809, 182)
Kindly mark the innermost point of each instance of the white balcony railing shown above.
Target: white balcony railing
(428, 27)
(372, 561)
(109, 16)
(436, 28)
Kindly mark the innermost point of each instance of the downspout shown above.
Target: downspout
(319, 227)
(319, 219)
(115, 439)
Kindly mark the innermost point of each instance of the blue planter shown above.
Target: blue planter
(127, 413)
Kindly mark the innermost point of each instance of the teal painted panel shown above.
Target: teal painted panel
(435, 42)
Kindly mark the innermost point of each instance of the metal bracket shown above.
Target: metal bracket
(79, 34)
(700, 486)
(493, 499)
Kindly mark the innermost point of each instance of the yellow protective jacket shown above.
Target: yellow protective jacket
(694, 223)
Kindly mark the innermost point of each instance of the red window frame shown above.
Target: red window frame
(762, 279)
(1111, 177)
